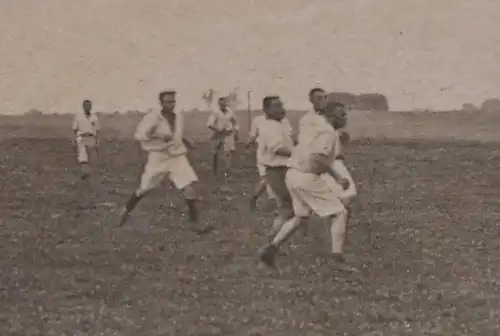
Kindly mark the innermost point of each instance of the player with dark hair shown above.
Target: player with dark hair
(277, 144)
(255, 136)
(160, 134)
(312, 158)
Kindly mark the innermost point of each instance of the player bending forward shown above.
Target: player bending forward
(311, 158)
(277, 145)
(338, 164)
(225, 132)
(161, 136)
(86, 128)
(255, 134)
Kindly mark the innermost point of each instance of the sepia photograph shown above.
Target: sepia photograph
(249, 168)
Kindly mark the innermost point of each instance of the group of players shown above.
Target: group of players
(303, 173)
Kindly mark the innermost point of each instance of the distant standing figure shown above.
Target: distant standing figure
(222, 122)
(86, 128)
(160, 134)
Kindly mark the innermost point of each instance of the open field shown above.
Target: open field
(424, 234)
(453, 125)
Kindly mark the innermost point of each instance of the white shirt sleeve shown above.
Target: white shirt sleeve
(145, 128)
(179, 126)
(254, 128)
(97, 124)
(212, 119)
(74, 127)
(287, 126)
(273, 140)
(324, 143)
(234, 121)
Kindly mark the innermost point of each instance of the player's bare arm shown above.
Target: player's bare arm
(146, 132)
(344, 137)
(251, 141)
(321, 164)
(189, 145)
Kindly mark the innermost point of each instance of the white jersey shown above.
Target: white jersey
(274, 135)
(255, 132)
(154, 123)
(85, 125)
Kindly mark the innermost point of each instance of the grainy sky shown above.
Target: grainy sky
(121, 53)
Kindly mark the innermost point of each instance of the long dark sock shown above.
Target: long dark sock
(259, 189)
(193, 211)
(215, 164)
(132, 202)
(129, 206)
(85, 170)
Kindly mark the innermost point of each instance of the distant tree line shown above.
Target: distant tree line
(364, 101)
(489, 105)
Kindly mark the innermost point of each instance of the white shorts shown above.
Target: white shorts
(83, 146)
(262, 173)
(159, 165)
(227, 143)
(310, 193)
(348, 194)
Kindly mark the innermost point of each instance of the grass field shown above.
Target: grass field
(424, 235)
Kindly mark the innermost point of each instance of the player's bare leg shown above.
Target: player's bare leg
(223, 176)
(337, 231)
(85, 167)
(216, 156)
(258, 191)
(84, 170)
(228, 162)
(83, 159)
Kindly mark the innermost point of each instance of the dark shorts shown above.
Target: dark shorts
(275, 179)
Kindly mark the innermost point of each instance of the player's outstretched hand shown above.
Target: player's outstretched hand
(344, 183)
(344, 137)
(167, 137)
(189, 145)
